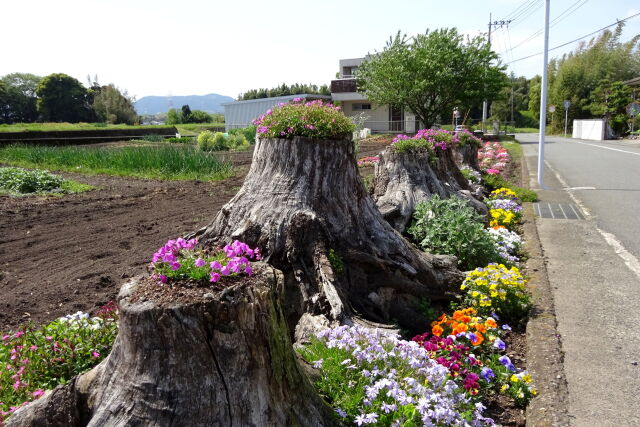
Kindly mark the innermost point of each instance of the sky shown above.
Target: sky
(196, 47)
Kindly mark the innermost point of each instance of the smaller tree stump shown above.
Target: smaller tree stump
(404, 179)
(223, 359)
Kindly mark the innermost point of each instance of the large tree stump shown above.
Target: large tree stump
(223, 359)
(304, 204)
(404, 179)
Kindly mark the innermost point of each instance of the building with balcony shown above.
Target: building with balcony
(379, 118)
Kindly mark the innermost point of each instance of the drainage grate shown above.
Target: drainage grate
(557, 211)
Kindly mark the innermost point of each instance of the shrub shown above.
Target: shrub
(451, 227)
(373, 377)
(35, 359)
(249, 133)
(24, 181)
(313, 119)
(180, 260)
(237, 142)
(497, 289)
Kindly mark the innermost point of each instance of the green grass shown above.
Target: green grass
(192, 129)
(172, 162)
(28, 127)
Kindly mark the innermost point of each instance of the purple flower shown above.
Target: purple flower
(318, 364)
(487, 374)
(200, 262)
(507, 363)
(215, 277)
(499, 344)
(341, 413)
(216, 265)
(175, 266)
(506, 327)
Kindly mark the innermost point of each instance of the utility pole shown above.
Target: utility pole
(543, 97)
(500, 23)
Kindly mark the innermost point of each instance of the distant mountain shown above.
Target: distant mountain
(210, 103)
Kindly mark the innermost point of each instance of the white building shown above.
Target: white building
(381, 118)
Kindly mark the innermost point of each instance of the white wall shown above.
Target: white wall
(589, 129)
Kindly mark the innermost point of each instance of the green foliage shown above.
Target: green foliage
(113, 106)
(285, 90)
(164, 162)
(181, 140)
(577, 75)
(174, 117)
(432, 73)
(18, 97)
(48, 127)
(61, 98)
(610, 99)
(249, 133)
(337, 264)
(153, 138)
(209, 141)
(23, 181)
(35, 359)
(199, 116)
(496, 181)
(451, 227)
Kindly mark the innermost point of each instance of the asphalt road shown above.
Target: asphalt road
(594, 272)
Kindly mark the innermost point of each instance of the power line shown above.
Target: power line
(578, 39)
(566, 13)
(525, 14)
(518, 9)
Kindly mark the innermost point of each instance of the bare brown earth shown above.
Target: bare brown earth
(61, 255)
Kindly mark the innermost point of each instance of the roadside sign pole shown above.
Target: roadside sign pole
(566, 104)
(543, 97)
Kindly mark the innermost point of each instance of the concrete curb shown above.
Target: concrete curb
(545, 359)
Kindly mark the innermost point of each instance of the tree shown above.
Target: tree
(199, 116)
(174, 117)
(61, 98)
(186, 112)
(113, 106)
(432, 73)
(20, 98)
(609, 100)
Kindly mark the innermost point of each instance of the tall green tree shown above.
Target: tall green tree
(62, 98)
(111, 105)
(20, 97)
(432, 73)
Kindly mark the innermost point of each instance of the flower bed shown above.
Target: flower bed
(368, 161)
(37, 359)
(313, 119)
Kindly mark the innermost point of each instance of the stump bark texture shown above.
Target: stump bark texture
(404, 179)
(467, 155)
(226, 360)
(304, 205)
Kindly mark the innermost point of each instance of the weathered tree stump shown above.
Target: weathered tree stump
(223, 359)
(304, 204)
(467, 155)
(404, 179)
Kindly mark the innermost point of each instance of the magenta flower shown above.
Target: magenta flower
(215, 277)
(95, 354)
(39, 392)
(200, 262)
